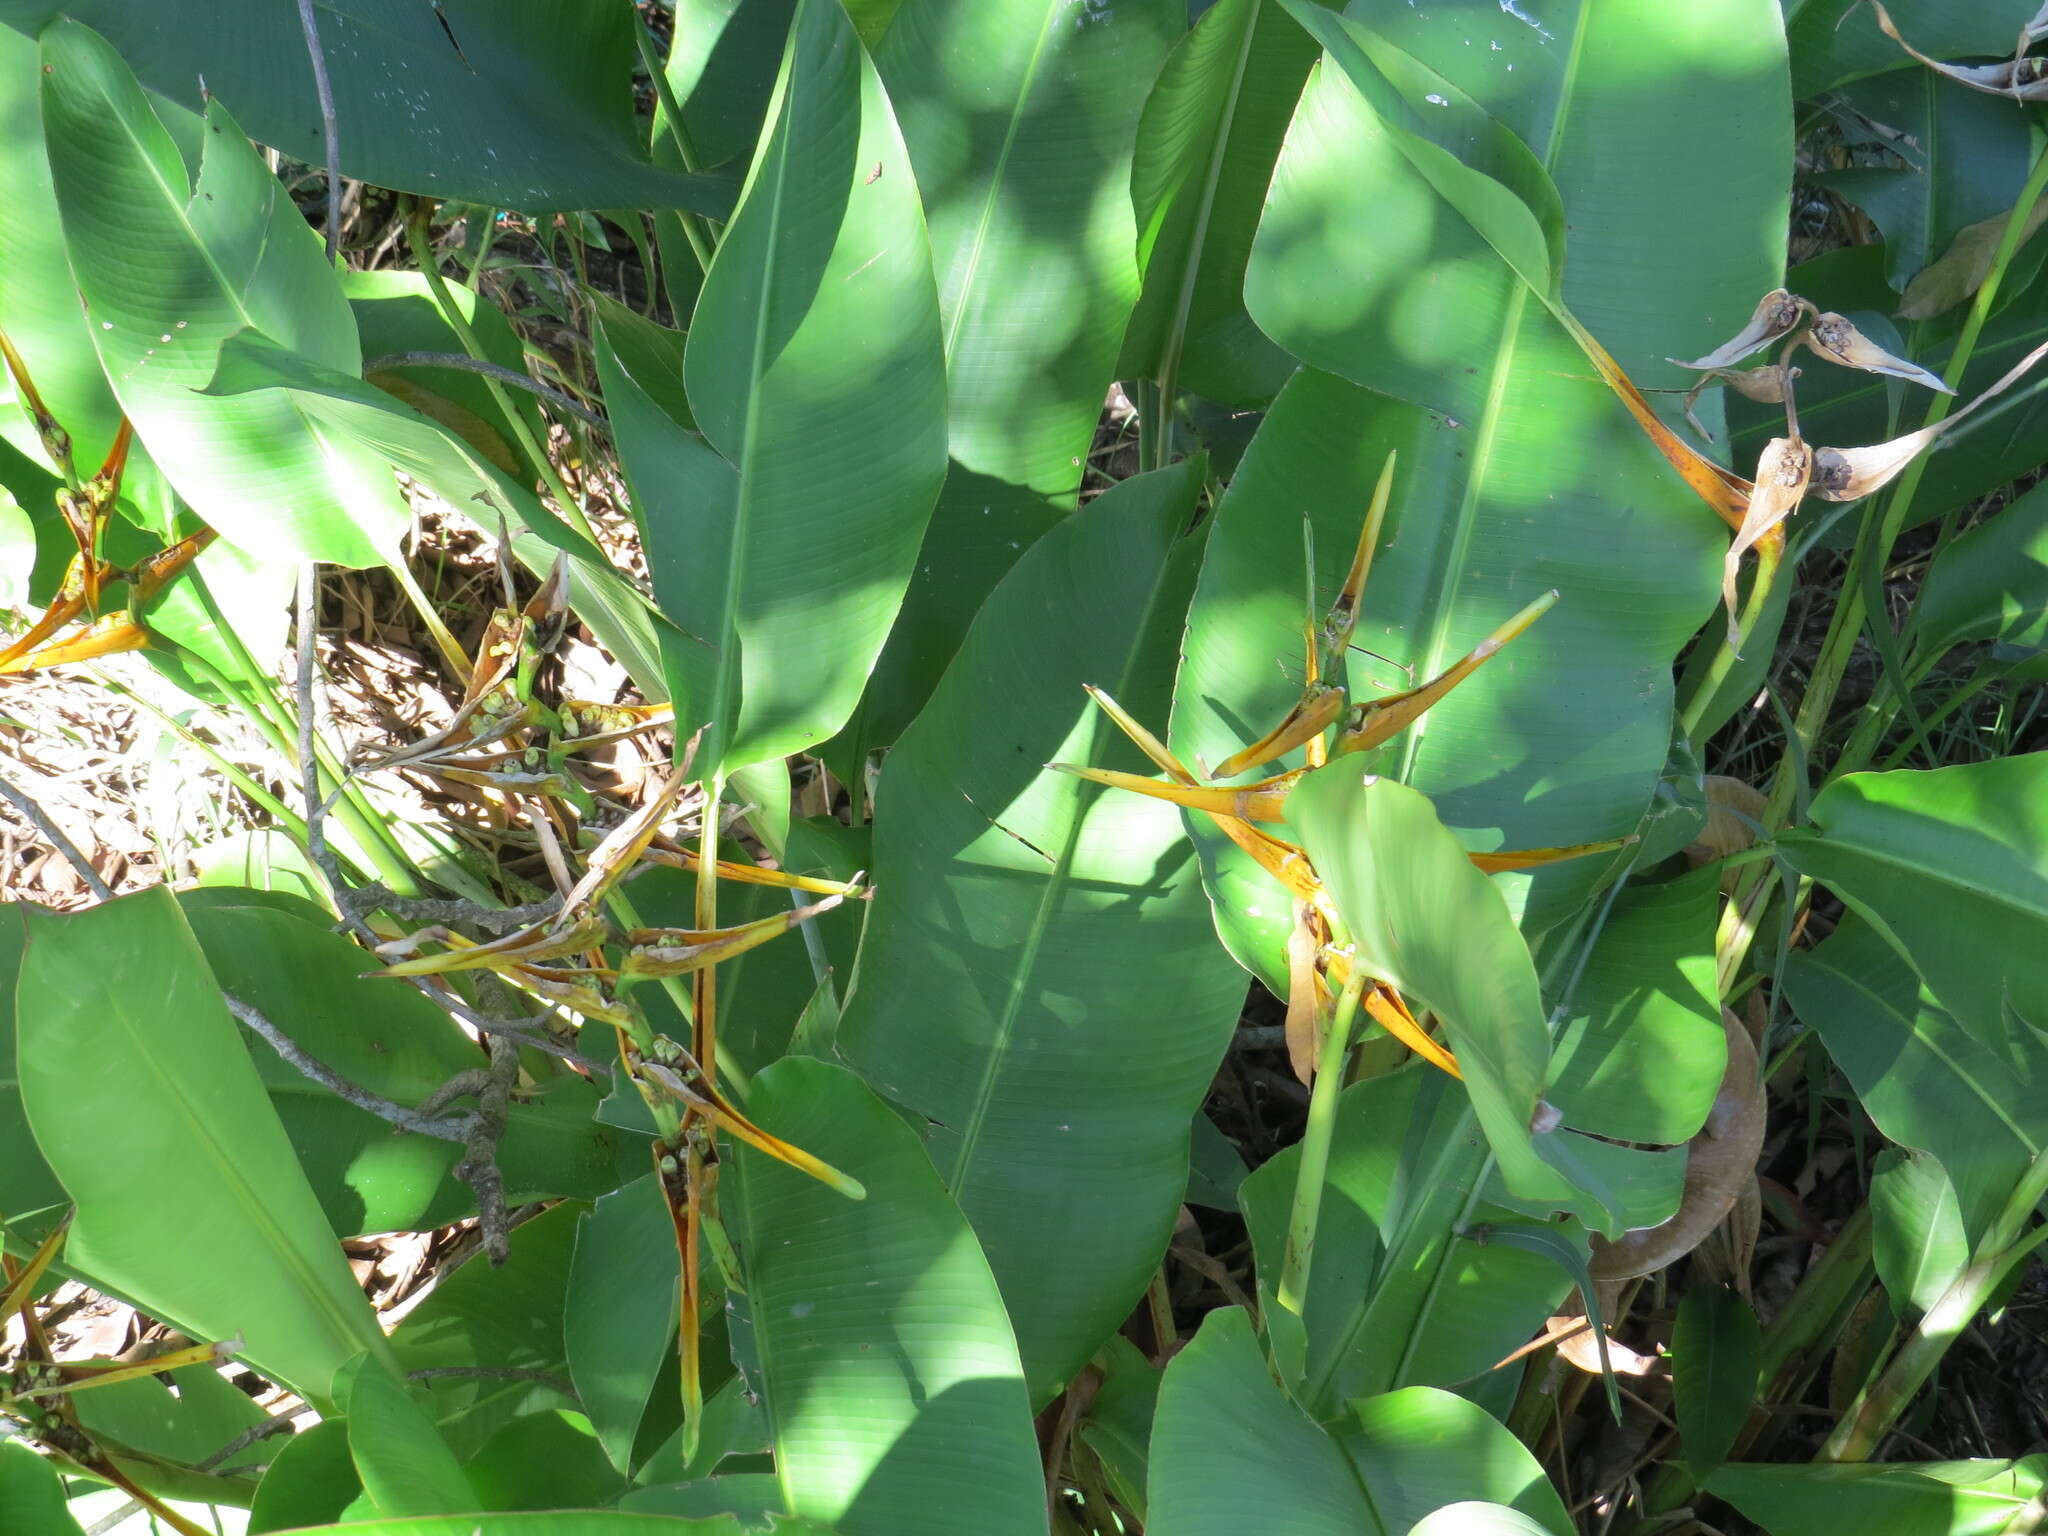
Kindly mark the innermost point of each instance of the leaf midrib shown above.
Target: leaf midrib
(1488, 432)
(997, 176)
(1056, 883)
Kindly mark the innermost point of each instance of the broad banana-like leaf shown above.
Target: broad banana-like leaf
(786, 535)
(142, 1067)
(885, 1366)
(169, 268)
(510, 103)
(1433, 295)
(1038, 974)
(1020, 116)
(1951, 865)
(1927, 1082)
(1206, 145)
(1228, 1448)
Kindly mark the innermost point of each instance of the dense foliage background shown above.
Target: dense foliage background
(1000, 765)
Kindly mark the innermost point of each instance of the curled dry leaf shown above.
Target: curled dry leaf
(1735, 809)
(1846, 474)
(2020, 77)
(1832, 336)
(1942, 285)
(1305, 1005)
(1579, 1349)
(1720, 1162)
(1783, 472)
(1765, 385)
(1778, 313)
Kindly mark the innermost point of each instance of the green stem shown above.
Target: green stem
(444, 300)
(695, 230)
(1878, 535)
(1878, 1407)
(1768, 562)
(1315, 1146)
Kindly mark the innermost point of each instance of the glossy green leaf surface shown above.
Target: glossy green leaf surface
(1980, 1106)
(510, 1317)
(889, 1373)
(1952, 864)
(573, 1522)
(311, 1482)
(1020, 117)
(1992, 583)
(1641, 1053)
(815, 373)
(1934, 1498)
(1205, 150)
(508, 103)
(1039, 975)
(1395, 1459)
(619, 1311)
(1405, 1162)
(26, 1183)
(1423, 919)
(1518, 471)
(1714, 1348)
(32, 1494)
(169, 268)
(405, 1465)
(1415, 1446)
(1971, 158)
(114, 1080)
(427, 451)
(1916, 1237)
(386, 1038)
(39, 299)
(1834, 42)
(1218, 1394)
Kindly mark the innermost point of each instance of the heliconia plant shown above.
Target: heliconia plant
(1240, 957)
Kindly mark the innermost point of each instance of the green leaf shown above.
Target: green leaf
(1518, 471)
(1925, 1080)
(1951, 864)
(1714, 1347)
(722, 66)
(1835, 42)
(387, 1038)
(1641, 1055)
(535, 110)
(428, 452)
(889, 1373)
(1117, 1426)
(815, 373)
(168, 270)
(1933, 1498)
(312, 1481)
(1402, 1189)
(1970, 158)
(32, 1494)
(619, 1314)
(1916, 1237)
(1416, 1446)
(1038, 974)
(204, 1415)
(1205, 150)
(39, 310)
(572, 1522)
(26, 1183)
(1423, 919)
(405, 1465)
(1990, 584)
(510, 1317)
(1472, 1517)
(118, 1076)
(544, 1460)
(1020, 116)
(1228, 1449)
